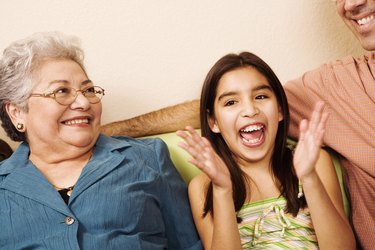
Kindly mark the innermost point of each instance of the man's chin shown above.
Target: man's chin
(366, 39)
(369, 46)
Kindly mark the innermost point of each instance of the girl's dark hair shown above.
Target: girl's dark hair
(282, 160)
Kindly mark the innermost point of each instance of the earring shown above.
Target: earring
(300, 191)
(19, 126)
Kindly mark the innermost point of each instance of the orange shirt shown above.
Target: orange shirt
(347, 87)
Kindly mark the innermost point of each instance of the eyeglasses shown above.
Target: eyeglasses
(67, 95)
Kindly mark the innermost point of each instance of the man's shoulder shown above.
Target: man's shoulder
(330, 70)
(353, 59)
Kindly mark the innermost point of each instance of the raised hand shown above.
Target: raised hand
(310, 142)
(205, 158)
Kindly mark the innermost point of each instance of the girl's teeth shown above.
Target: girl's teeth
(252, 140)
(252, 128)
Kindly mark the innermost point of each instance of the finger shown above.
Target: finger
(302, 129)
(189, 139)
(316, 116)
(194, 149)
(323, 121)
(182, 134)
(205, 161)
(183, 146)
(206, 142)
(197, 163)
(190, 133)
(197, 138)
(190, 150)
(210, 172)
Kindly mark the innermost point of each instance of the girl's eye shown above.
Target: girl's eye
(261, 97)
(229, 103)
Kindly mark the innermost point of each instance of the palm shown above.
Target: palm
(205, 158)
(310, 141)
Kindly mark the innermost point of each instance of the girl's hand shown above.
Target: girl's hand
(205, 157)
(310, 142)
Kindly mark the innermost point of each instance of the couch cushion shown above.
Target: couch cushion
(179, 156)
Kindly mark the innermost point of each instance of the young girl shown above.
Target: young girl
(254, 192)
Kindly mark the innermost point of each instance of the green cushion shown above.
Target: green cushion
(179, 156)
(336, 163)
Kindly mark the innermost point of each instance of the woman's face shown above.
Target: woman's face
(247, 114)
(56, 126)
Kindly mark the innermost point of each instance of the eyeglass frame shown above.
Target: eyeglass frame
(53, 94)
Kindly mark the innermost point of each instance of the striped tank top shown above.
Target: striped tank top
(265, 226)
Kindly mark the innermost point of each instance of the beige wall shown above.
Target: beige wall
(150, 54)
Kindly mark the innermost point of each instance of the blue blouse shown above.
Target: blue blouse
(128, 196)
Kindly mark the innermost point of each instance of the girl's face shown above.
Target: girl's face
(247, 114)
(50, 124)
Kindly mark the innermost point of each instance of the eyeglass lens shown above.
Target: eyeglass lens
(67, 95)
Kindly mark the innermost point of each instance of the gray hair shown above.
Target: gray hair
(20, 60)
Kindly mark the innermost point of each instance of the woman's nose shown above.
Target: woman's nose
(81, 101)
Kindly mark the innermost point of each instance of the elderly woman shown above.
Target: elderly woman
(67, 186)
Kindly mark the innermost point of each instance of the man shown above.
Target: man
(347, 87)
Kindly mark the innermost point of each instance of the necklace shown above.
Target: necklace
(69, 190)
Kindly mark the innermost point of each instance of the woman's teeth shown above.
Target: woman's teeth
(78, 121)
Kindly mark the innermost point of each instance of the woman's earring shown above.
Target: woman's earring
(19, 126)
